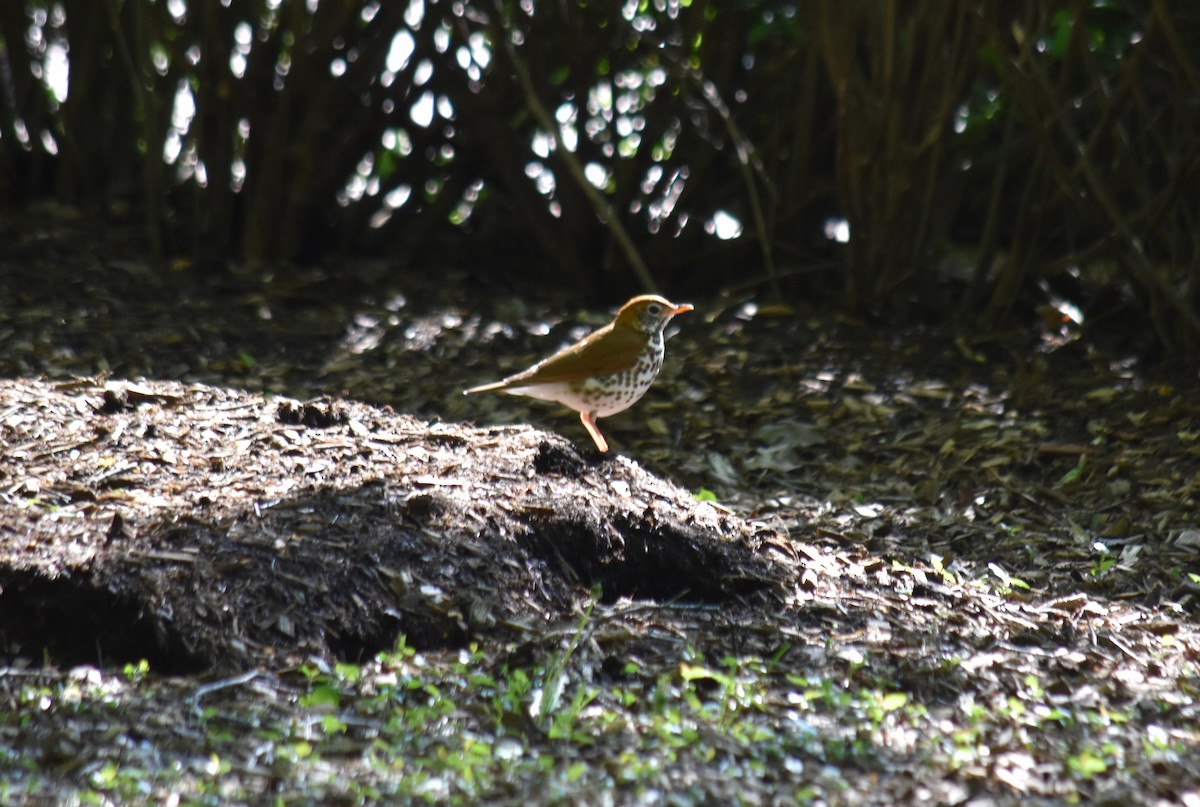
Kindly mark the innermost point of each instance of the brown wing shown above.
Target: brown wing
(608, 350)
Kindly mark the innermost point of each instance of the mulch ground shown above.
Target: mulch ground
(225, 482)
(203, 528)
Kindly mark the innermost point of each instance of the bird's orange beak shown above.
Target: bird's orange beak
(681, 309)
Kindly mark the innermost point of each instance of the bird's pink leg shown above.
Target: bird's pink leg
(589, 423)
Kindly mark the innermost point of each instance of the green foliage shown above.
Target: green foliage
(137, 672)
(1074, 474)
(1105, 560)
(473, 726)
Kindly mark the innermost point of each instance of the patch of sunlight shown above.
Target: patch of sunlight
(543, 177)
(365, 166)
(392, 201)
(475, 56)
(600, 100)
(837, 229)
(566, 115)
(542, 145)
(626, 126)
(629, 102)
(661, 209)
(569, 137)
(473, 71)
(395, 199)
(480, 51)
(183, 112)
(629, 79)
(160, 59)
(961, 116)
(398, 141)
(596, 174)
(653, 174)
(57, 70)
(643, 23)
(466, 205)
(243, 37)
(414, 14)
(237, 175)
(361, 184)
(354, 190)
(22, 132)
(594, 126)
(665, 147)
(723, 225)
(421, 112)
(423, 73)
(400, 52)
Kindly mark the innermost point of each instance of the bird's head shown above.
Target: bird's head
(649, 313)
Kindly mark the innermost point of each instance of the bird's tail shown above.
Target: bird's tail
(499, 385)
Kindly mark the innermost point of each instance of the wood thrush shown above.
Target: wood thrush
(605, 372)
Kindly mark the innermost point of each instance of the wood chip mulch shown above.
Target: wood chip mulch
(205, 527)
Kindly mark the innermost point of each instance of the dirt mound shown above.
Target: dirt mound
(201, 527)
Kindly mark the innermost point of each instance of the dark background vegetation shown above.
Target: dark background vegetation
(988, 158)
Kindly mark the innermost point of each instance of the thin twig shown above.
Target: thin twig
(224, 683)
(598, 202)
(744, 149)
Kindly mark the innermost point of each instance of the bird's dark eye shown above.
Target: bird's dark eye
(655, 309)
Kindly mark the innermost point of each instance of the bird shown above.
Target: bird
(604, 373)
